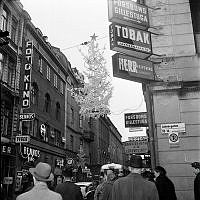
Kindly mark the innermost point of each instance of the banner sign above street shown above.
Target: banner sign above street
(129, 13)
(136, 119)
(175, 127)
(131, 41)
(131, 68)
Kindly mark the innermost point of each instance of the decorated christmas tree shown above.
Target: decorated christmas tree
(96, 92)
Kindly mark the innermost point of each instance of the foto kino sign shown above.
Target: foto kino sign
(129, 40)
(27, 74)
(131, 68)
(129, 13)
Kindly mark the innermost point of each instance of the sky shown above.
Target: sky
(67, 24)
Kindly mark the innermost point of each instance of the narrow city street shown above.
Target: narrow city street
(100, 99)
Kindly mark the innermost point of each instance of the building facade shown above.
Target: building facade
(174, 100)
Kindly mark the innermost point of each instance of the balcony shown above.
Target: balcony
(88, 135)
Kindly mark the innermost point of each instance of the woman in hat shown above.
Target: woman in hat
(41, 174)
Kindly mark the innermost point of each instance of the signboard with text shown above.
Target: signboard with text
(27, 116)
(175, 127)
(131, 68)
(136, 119)
(129, 40)
(27, 75)
(137, 145)
(129, 13)
(22, 139)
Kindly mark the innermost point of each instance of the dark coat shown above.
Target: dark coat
(165, 187)
(197, 187)
(69, 191)
(134, 187)
(107, 190)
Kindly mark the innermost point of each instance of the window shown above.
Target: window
(47, 103)
(1, 65)
(72, 115)
(80, 121)
(5, 119)
(58, 138)
(40, 64)
(34, 94)
(61, 87)
(11, 74)
(4, 20)
(58, 111)
(71, 142)
(27, 127)
(55, 80)
(48, 73)
(14, 30)
(35, 127)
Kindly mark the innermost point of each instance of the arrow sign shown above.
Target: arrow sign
(27, 116)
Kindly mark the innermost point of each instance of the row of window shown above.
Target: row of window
(48, 75)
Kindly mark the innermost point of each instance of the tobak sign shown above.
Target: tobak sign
(129, 13)
(27, 74)
(131, 68)
(136, 119)
(129, 40)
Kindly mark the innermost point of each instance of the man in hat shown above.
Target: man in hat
(196, 166)
(68, 189)
(134, 186)
(41, 174)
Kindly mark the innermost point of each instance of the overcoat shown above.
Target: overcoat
(197, 187)
(165, 187)
(41, 192)
(134, 187)
(69, 191)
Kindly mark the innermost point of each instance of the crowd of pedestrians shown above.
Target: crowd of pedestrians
(137, 185)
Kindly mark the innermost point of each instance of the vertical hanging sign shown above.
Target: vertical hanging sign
(27, 74)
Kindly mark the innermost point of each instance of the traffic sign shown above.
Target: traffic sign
(173, 139)
(27, 116)
(22, 139)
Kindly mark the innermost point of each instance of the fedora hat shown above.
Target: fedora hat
(42, 172)
(196, 165)
(135, 161)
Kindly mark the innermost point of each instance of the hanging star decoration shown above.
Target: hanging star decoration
(93, 98)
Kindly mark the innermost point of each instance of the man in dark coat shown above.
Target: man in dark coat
(67, 189)
(134, 186)
(165, 187)
(196, 166)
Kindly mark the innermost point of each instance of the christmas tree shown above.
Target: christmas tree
(96, 92)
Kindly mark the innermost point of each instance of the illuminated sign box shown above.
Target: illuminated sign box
(136, 119)
(129, 40)
(129, 13)
(131, 68)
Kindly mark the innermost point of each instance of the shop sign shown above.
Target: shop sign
(129, 40)
(136, 146)
(30, 153)
(22, 139)
(138, 138)
(60, 162)
(129, 13)
(27, 116)
(8, 180)
(27, 74)
(136, 119)
(175, 127)
(131, 68)
(7, 149)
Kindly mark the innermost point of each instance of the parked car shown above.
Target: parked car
(84, 187)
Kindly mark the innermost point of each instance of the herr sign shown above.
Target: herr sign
(27, 116)
(27, 74)
(129, 13)
(129, 40)
(131, 68)
(136, 119)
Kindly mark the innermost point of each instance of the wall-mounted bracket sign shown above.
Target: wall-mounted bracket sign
(136, 119)
(133, 69)
(27, 116)
(129, 40)
(129, 13)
